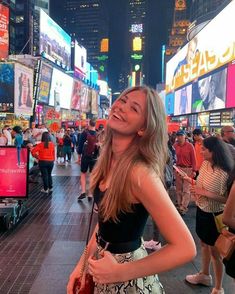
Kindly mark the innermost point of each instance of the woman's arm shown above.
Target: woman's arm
(91, 249)
(229, 211)
(180, 247)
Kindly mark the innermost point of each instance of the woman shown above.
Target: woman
(229, 220)
(128, 177)
(210, 191)
(45, 152)
(18, 140)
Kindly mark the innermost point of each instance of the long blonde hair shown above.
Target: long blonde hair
(149, 149)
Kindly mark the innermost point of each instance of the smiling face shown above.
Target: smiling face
(128, 113)
(204, 87)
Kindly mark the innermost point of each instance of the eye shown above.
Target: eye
(123, 100)
(134, 108)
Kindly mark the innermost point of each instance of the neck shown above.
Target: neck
(120, 144)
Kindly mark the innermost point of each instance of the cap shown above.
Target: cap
(180, 133)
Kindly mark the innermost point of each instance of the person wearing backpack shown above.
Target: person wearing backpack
(87, 155)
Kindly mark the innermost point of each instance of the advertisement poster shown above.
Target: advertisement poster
(23, 89)
(45, 82)
(61, 90)
(7, 87)
(211, 48)
(80, 60)
(85, 102)
(209, 92)
(76, 95)
(4, 31)
(55, 43)
(94, 102)
(183, 100)
(230, 100)
(203, 119)
(13, 176)
(169, 103)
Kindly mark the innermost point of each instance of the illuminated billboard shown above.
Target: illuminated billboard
(76, 95)
(55, 43)
(230, 99)
(23, 89)
(7, 87)
(203, 119)
(61, 90)
(44, 84)
(183, 100)
(4, 31)
(137, 28)
(213, 47)
(209, 92)
(80, 59)
(85, 98)
(13, 175)
(169, 103)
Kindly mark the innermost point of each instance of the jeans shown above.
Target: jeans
(46, 168)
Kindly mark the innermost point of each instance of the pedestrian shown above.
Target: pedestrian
(210, 192)
(186, 161)
(18, 140)
(45, 152)
(229, 220)
(128, 178)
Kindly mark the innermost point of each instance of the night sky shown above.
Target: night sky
(160, 20)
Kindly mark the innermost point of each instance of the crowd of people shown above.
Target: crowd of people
(134, 164)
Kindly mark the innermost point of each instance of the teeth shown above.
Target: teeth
(117, 116)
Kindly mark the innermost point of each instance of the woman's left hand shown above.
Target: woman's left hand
(104, 270)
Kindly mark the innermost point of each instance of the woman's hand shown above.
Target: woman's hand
(104, 270)
(74, 275)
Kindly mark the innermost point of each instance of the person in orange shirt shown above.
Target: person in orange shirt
(45, 152)
(198, 143)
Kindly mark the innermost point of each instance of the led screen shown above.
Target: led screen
(76, 95)
(94, 102)
(61, 90)
(230, 100)
(213, 47)
(85, 99)
(209, 92)
(203, 119)
(169, 103)
(80, 59)
(23, 90)
(13, 172)
(44, 84)
(55, 43)
(4, 34)
(7, 87)
(183, 100)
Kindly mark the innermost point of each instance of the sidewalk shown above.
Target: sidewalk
(38, 255)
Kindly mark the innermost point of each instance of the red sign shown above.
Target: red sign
(13, 172)
(4, 36)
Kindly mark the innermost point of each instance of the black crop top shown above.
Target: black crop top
(129, 227)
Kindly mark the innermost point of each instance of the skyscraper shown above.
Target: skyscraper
(86, 21)
(44, 4)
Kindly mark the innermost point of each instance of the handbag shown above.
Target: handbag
(225, 244)
(219, 222)
(89, 283)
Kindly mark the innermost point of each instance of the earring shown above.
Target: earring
(140, 133)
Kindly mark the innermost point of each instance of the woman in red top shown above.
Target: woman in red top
(45, 152)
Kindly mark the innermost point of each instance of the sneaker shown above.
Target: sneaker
(82, 196)
(199, 278)
(153, 245)
(44, 191)
(216, 291)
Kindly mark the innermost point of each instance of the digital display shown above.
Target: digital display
(80, 59)
(137, 28)
(203, 119)
(76, 95)
(13, 172)
(55, 43)
(209, 92)
(211, 48)
(61, 90)
(183, 100)
(169, 103)
(230, 100)
(23, 89)
(7, 87)
(44, 84)
(4, 31)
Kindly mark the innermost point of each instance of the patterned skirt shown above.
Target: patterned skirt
(146, 285)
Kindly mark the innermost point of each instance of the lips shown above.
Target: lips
(118, 116)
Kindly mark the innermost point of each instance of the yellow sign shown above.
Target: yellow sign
(137, 44)
(104, 45)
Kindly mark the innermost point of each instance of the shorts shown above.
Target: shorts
(206, 227)
(87, 163)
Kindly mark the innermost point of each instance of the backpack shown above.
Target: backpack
(90, 147)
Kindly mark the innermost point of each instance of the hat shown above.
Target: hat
(180, 133)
